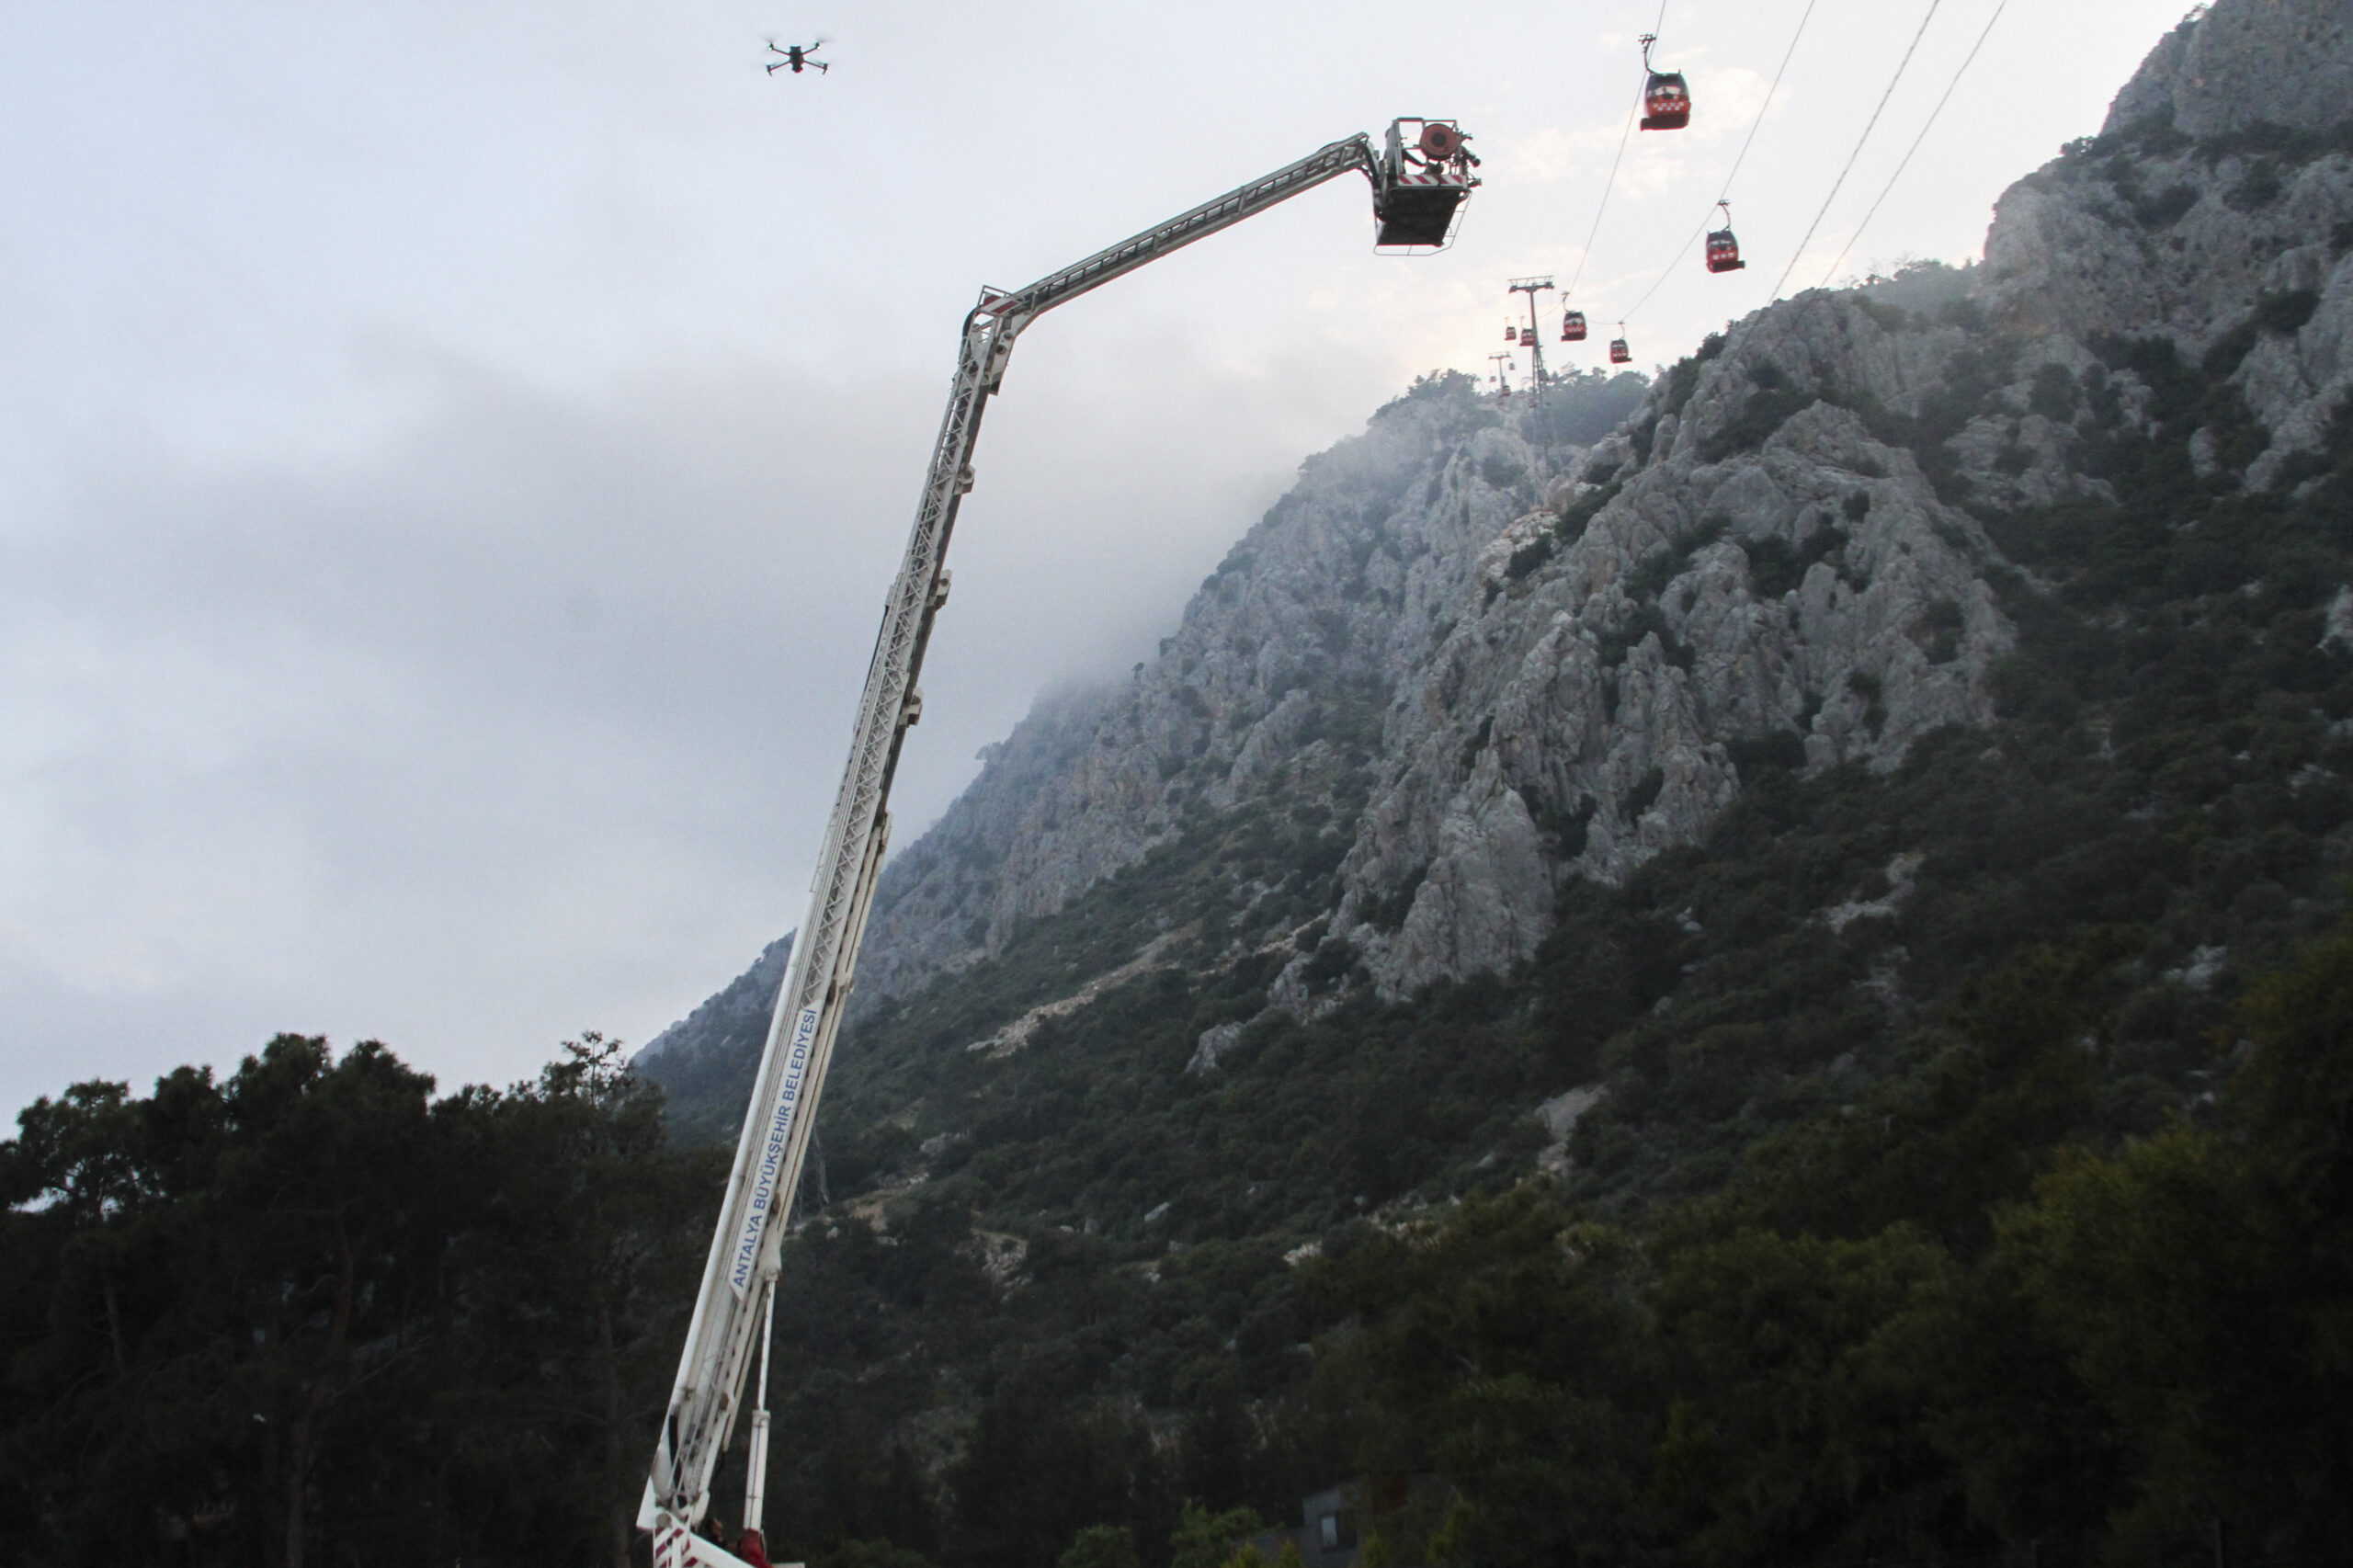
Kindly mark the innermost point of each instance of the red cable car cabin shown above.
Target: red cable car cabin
(1573, 327)
(1620, 354)
(1666, 102)
(1511, 331)
(1723, 250)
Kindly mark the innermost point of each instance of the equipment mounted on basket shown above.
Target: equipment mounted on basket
(1418, 192)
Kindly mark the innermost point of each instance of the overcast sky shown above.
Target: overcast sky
(451, 455)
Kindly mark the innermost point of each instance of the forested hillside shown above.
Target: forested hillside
(314, 1313)
(1953, 1317)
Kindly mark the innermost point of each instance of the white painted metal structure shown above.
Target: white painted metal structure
(1417, 203)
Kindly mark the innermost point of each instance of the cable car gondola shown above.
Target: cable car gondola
(1723, 250)
(1667, 97)
(1572, 326)
(1620, 353)
(1511, 331)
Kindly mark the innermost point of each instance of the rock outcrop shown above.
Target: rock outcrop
(1585, 714)
(2215, 210)
(2246, 63)
(1287, 655)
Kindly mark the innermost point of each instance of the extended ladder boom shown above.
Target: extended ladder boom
(738, 1277)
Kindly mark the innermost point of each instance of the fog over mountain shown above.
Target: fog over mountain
(453, 454)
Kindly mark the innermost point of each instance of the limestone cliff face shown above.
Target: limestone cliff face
(1561, 690)
(932, 911)
(1558, 689)
(1583, 717)
(2246, 63)
(1589, 713)
(1538, 663)
(1286, 655)
(2212, 210)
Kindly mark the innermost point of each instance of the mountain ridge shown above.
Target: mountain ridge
(1431, 580)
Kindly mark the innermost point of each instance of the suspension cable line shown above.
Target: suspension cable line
(1857, 153)
(1917, 139)
(1611, 183)
(1733, 173)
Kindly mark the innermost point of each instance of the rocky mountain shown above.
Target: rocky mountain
(1286, 657)
(1826, 789)
(1555, 686)
(1550, 655)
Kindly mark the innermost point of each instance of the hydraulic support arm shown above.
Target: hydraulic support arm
(737, 1285)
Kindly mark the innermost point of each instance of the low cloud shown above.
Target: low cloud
(525, 720)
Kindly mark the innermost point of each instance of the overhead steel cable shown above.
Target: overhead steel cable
(1900, 167)
(1611, 183)
(1866, 136)
(1733, 173)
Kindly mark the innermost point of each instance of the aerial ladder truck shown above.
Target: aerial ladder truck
(1421, 177)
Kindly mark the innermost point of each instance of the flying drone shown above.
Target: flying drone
(798, 56)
